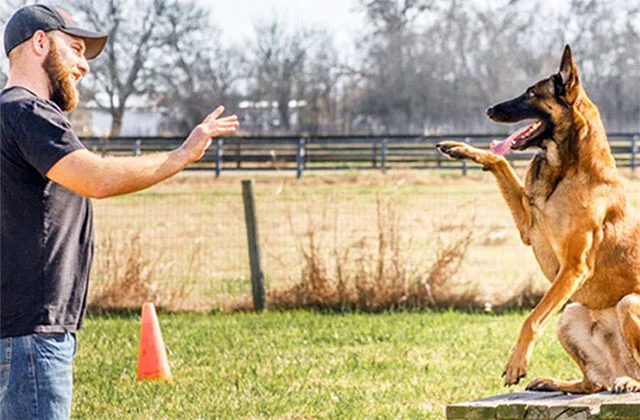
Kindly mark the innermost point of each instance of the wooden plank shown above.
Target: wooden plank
(486, 408)
(549, 405)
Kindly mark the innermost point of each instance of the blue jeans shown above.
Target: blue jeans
(36, 380)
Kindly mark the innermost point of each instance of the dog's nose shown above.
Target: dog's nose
(490, 111)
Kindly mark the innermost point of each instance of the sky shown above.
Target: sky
(344, 18)
(237, 17)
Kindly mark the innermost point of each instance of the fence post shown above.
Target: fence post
(137, 147)
(219, 144)
(634, 153)
(257, 285)
(467, 140)
(383, 155)
(374, 154)
(300, 158)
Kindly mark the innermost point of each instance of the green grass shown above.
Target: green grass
(304, 365)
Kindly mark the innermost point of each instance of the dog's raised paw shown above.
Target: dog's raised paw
(452, 149)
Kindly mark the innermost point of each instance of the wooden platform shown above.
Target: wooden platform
(549, 405)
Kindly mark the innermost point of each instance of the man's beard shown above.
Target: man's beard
(62, 89)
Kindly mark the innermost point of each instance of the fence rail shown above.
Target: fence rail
(335, 152)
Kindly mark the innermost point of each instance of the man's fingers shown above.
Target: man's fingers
(230, 122)
(225, 121)
(229, 118)
(217, 125)
(221, 129)
(215, 114)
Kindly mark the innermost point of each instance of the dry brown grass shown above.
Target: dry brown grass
(376, 274)
(183, 242)
(129, 277)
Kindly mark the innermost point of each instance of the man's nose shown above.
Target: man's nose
(83, 65)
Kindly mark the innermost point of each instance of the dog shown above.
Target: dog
(571, 209)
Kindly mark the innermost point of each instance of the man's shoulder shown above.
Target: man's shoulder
(16, 100)
(17, 94)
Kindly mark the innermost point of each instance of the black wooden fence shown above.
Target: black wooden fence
(259, 153)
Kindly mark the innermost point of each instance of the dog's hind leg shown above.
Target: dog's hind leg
(510, 184)
(576, 333)
(628, 314)
(605, 345)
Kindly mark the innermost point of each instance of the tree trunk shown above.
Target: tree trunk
(283, 110)
(116, 122)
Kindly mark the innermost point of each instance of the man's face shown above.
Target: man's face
(65, 64)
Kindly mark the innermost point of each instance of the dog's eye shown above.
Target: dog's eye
(531, 94)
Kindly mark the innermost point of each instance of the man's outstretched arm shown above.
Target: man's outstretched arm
(94, 176)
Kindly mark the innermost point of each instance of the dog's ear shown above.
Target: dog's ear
(568, 71)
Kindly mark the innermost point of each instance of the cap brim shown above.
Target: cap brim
(94, 41)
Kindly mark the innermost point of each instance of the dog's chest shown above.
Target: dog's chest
(553, 210)
(558, 208)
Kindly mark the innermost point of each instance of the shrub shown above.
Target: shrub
(378, 274)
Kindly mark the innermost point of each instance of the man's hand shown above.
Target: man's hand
(200, 137)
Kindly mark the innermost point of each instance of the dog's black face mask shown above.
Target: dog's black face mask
(529, 105)
(546, 103)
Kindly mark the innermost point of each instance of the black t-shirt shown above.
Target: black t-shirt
(47, 230)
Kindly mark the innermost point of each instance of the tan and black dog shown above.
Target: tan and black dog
(572, 210)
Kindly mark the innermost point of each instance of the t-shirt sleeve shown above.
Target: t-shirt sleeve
(45, 136)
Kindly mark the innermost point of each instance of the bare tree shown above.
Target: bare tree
(320, 85)
(480, 54)
(197, 74)
(137, 36)
(277, 64)
(421, 66)
(605, 37)
(440, 63)
(390, 65)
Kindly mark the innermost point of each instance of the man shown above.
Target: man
(47, 178)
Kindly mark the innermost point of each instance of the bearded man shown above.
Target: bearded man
(47, 179)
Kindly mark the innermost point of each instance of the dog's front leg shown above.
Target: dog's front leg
(576, 268)
(509, 183)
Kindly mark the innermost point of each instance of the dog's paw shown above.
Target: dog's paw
(625, 384)
(516, 368)
(454, 150)
(542, 385)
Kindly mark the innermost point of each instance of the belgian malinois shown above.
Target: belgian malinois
(572, 210)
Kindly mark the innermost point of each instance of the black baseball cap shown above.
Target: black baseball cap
(29, 19)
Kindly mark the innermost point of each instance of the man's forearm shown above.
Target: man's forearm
(93, 176)
(123, 175)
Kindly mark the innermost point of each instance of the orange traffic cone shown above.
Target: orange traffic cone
(152, 357)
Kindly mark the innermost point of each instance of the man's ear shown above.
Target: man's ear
(40, 43)
(568, 71)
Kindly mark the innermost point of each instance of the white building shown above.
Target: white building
(141, 118)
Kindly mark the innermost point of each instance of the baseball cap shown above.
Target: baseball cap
(29, 19)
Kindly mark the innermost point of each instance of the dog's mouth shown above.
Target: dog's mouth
(521, 139)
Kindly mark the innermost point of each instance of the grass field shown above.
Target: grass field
(299, 365)
(187, 239)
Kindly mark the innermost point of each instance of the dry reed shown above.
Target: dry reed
(127, 277)
(376, 274)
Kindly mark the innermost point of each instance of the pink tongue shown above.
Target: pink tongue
(502, 147)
